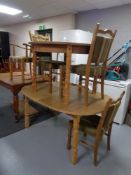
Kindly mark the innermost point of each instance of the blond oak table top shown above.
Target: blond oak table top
(76, 106)
(17, 80)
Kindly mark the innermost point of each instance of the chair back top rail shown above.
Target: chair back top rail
(110, 114)
(27, 49)
(101, 45)
(39, 37)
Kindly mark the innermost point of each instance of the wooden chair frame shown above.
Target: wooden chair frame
(20, 60)
(97, 55)
(52, 64)
(103, 126)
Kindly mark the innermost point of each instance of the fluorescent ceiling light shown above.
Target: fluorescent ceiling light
(9, 10)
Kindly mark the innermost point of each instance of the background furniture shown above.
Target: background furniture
(15, 87)
(97, 126)
(18, 63)
(4, 66)
(4, 46)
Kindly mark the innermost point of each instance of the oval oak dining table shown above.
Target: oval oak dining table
(75, 108)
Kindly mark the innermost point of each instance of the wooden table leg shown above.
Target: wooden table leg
(16, 106)
(27, 116)
(50, 77)
(87, 82)
(11, 68)
(22, 68)
(67, 75)
(61, 81)
(34, 86)
(75, 139)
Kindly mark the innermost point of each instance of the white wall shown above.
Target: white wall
(19, 32)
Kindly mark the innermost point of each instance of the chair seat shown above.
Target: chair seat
(92, 120)
(81, 69)
(21, 57)
(55, 64)
(78, 69)
(89, 124)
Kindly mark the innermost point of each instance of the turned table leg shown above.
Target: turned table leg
(50, 78)
(11, 68)
(67, 75)
(16, 106)
(75, 139)
(27, 116)
(61, 81)
(34, 85)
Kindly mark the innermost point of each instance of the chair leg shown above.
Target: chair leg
(30, 69)
(26, 114)
(96, 146)
(87, 83)
(95, 154)
(22, 68)
(61, 81)
(11, 68)
(50, 78)
(80, 84)
(94, 84)
(85, 133)
(70, 126)
(102, 88)
(109, 138)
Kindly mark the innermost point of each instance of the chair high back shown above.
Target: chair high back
(102, 43)
(105, 123)
(98, 54)
(112, 113)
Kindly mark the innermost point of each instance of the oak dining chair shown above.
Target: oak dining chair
(45, 62)
(96, 64)
(97, 127)
(17, 63)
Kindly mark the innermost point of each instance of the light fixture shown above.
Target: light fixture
(27, 16)
(9, 10)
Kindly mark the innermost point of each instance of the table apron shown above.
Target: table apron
(61, 49)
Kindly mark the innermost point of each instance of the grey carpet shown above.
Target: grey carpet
(7, 123)
(41, 150)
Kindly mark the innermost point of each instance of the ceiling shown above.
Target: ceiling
(38, 9)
